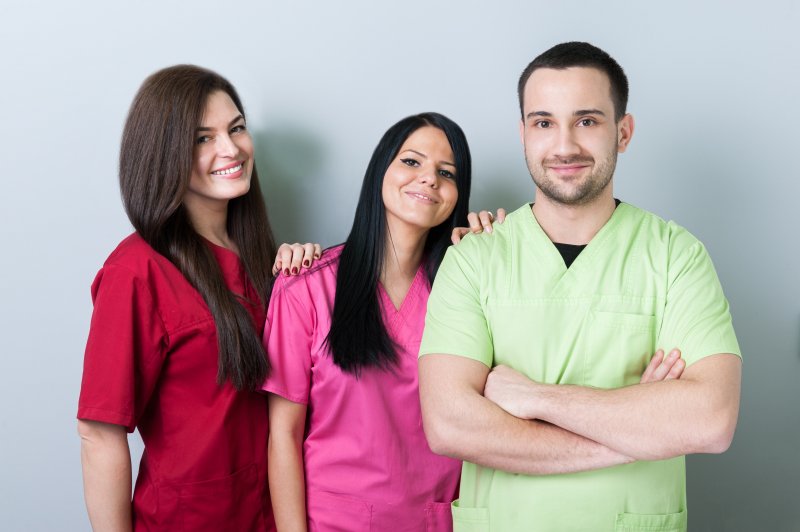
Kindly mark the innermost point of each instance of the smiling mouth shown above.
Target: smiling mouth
(228, 171)
(421, 197)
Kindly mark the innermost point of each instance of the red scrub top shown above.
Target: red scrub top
(151, 364)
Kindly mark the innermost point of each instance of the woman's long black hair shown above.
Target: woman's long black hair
(358, 337)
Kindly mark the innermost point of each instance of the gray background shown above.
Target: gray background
(714, 91)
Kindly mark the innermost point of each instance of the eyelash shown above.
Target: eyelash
(546, 124)
(234, 130)
(414, 163)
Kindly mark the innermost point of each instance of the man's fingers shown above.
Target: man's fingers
(658, 357)
(677, 370)
(663, 370)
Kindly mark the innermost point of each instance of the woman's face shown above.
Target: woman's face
(419, 187)
(223, 156)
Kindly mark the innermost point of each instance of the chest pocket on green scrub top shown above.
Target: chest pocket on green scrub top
(617, 347)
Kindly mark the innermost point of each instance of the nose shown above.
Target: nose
(226, 147)
(566, 145)
(428, 175)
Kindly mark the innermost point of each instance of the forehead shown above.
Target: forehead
(568, 89)
(219, 106)
(429, 140)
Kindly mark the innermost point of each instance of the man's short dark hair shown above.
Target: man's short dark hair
(580, 54)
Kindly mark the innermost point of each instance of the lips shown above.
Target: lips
(419, 196)
(228, 170)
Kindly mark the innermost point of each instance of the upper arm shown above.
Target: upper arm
(125, 351)
(697, 318)
(719, 378)
(286, 417)
(288, 338)
(100, 432)
(446, 385)
(455, 322)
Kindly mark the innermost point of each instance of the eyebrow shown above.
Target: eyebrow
(425, 156)
(238, 117)
(579, 112)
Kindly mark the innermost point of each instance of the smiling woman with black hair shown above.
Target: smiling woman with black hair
(347, 451)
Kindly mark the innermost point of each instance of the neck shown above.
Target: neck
(573, 224)
(402, 257)
(211, 222)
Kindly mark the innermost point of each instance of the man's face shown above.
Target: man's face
(571, 139)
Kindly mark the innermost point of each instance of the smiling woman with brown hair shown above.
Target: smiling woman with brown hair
(174, 347)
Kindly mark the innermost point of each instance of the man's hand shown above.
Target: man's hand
(516, 394)
(478, 223)
(664, 369)
(511, 390)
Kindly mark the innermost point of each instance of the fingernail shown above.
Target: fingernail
(286, 271)
(317, 255)
(306, 263)
(294, 270)
(488, 229)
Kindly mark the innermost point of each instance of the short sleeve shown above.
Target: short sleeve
(697, 318)
(125, 350)
(455, 323)
(288, 336)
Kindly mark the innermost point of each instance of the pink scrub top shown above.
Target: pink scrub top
(151, 364)
(367, 463)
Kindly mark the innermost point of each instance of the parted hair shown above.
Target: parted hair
(358, 337)
(155, 167)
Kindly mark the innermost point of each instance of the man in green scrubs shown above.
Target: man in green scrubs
(537, 335)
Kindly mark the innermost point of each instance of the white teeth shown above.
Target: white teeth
(228, 171)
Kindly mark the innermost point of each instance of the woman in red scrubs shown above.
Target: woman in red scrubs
(179, 307)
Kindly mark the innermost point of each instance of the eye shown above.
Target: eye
(586, 122)
(238, 129)
(410, 162)
(202, 140)
(447, 174)
(543, 124)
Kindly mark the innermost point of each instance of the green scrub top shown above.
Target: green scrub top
(508, 298)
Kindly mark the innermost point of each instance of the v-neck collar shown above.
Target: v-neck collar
(553, 256)
(386, 302)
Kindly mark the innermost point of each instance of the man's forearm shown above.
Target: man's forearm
(461, 423)
(696, 414)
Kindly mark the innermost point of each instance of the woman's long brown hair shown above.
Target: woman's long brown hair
(154, 171)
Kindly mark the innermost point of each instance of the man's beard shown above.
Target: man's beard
(587, 190)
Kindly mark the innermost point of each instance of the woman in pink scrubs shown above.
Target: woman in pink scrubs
(346, 449)
(175, 347)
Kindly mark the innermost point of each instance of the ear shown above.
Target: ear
(624, 132)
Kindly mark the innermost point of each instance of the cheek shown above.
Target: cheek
(449, 193)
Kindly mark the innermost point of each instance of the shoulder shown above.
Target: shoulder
(135, 264)
(322, 271)
(484, 246)
(135, 255)
(668, 234)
